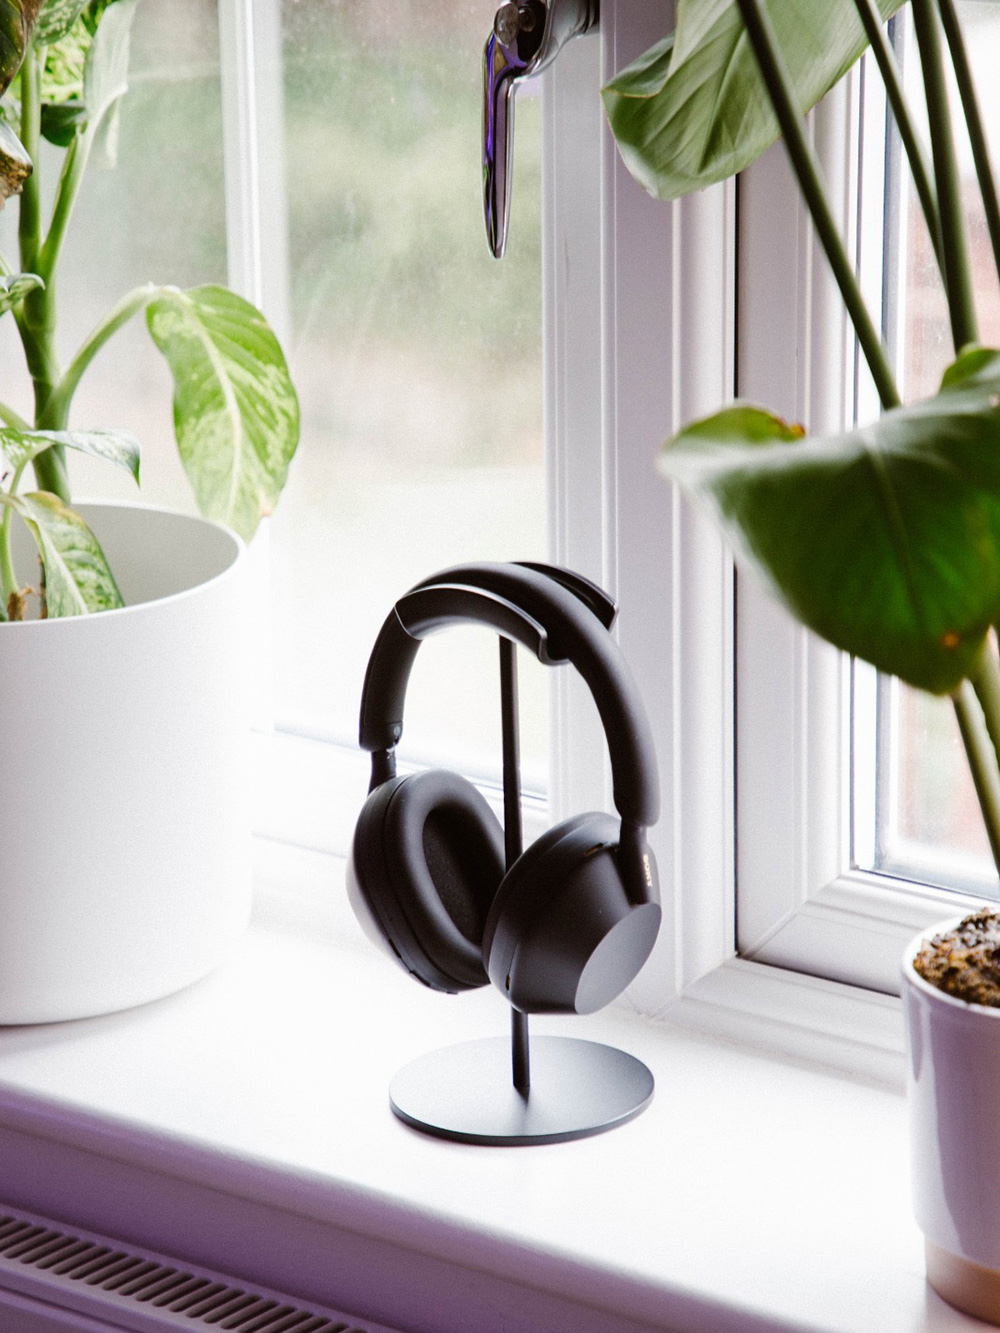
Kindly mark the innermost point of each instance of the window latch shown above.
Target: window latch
(527, 35)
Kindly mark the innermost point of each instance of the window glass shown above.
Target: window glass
(417, 357)
(928, 825)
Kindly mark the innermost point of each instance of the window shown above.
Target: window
(867, 778)
(330, 159)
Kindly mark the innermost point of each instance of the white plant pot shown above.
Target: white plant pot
(124, 869)
(953, 1093)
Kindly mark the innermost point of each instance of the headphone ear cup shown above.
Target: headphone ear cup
(563, 935)
(426, 862)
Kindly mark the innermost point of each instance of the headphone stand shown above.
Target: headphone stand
(553, 1090)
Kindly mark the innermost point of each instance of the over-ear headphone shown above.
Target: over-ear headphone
(572, 921)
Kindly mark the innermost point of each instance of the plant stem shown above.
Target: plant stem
(57, 413)
(914, 149)
(786, 109)
(36, 317)
(982, 761)
(985, 680)
(958, 286)
(30, 214)
(8, 575)
(973, 123)
(70, 179)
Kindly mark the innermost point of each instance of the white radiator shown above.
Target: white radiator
(55, 1279)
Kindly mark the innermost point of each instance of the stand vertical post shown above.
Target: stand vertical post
(513, 838)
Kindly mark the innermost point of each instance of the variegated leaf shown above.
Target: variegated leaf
(15, 164)
(77, 577)
(114, 446)
(15, 288)
(236, 413)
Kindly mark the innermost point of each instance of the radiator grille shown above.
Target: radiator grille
(171, 1295)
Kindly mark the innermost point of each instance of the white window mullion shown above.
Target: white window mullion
(253, 143)
(666, 355)
(256, 230)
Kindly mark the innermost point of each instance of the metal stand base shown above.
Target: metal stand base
(465, 1092)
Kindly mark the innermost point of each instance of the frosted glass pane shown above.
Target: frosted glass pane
(417, 357)
(929, 823)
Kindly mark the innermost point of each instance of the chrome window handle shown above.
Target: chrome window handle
(526, 37)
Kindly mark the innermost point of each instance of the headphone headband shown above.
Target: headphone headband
(559, 617)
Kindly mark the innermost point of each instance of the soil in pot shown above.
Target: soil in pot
(964, 961)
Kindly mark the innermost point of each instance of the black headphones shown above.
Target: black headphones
(570, 924)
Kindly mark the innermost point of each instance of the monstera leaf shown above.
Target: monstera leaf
(235, 411)
(885, 540)
(693, 109)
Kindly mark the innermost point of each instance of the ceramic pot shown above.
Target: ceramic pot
(125, 868)
(953, 1091)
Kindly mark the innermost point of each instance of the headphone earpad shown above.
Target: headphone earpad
(563, 935)
(427, 859)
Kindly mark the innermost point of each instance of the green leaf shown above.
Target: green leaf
(55, 19)
(105, 78)
(77, 577)
(15, 164)
(114, 446)
(17, 19)
(64, 64)
(62, 121)
(15, 288)
(885, 540)
(693, 109)
(235, 410)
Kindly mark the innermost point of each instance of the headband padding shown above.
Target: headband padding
(573, 632)
(444, 858)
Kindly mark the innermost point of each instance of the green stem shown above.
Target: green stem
(70, 179)
(985, 680)
(8, 575)
(779, 88)
(973, 123)
(982, 761)
(30, 215)
(57, 412)
(36, 317)
(958, 286)
(914, 149)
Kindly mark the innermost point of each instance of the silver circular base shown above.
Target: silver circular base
(466, 1092)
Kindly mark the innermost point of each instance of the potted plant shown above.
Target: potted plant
(884, 539)
(123, 703)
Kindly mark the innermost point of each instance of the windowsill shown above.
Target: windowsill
(244, 1124)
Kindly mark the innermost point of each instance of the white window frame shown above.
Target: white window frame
(635, 348)
(802, 903)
